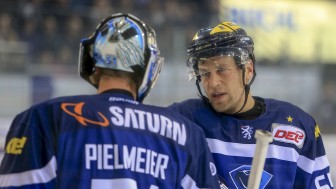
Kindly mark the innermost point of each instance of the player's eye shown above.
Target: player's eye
(204, 73)
(220, 69)
(224, 70)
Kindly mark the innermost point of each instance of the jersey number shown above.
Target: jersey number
(321, 178)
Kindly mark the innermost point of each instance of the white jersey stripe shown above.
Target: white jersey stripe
(282, 153)
(247, 150)
(274, 151)
(321, 163)
(231, 149)
(306, 164)
(310, 166)
(188, 183)
(43, 175)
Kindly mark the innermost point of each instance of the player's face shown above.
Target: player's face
(223, 84)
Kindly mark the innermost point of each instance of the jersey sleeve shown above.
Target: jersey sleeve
(201, 170)
(314, 169)
(29, 160)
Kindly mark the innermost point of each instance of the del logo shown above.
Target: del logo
(288, 134)
(76, 110)
(240, 177)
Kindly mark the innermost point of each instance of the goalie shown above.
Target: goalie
(110, 139)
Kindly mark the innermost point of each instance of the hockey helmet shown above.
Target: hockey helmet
(225, 39)
(122, 42)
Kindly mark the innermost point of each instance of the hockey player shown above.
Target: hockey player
(110, 139)
(222, 62)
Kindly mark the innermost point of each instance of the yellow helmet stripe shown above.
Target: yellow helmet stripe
(225, 27)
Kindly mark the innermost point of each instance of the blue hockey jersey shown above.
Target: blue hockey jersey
(105, 141)
(295, 159)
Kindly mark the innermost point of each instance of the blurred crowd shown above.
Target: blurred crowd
(324, 110)
(41, 37)
(47, 32)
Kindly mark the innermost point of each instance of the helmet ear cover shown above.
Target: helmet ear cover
(86, 63)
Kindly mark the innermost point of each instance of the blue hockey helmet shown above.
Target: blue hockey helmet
(224, 39)
(122, 42)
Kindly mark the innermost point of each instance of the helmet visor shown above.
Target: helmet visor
(239, 55)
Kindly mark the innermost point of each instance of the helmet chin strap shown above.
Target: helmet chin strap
(246, 90)
(204, 99)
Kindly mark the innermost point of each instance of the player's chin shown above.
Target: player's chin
(222, 106)
(219, 106)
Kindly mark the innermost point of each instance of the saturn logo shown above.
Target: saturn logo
(76, 112)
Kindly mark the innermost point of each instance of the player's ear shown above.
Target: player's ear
(249, 70)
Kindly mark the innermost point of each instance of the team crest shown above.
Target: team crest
(240, 177)
(247, 131)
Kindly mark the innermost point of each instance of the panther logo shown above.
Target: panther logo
(240, 177)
